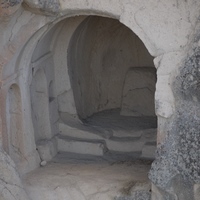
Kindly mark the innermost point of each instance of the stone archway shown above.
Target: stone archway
(52, 64)
(113, 77)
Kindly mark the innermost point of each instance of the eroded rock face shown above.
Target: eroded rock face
(8, 7)
(46, 6)
(10, 3)
(177, 166)
(10, 183)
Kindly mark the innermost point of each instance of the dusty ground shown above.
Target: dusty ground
(74, 179)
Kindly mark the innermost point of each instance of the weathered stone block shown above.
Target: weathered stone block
(148, 151)
(124, 146)
(66, 102)
(69, 131)
(47, 149)
(80, 147)
(138, 92)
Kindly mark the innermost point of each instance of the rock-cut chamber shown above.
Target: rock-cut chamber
(94, 95)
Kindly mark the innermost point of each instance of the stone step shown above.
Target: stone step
(99, 133)
(47, 149)
(148, 151)
(99, 147)
(66, 144)
(150, 135)
(125, 146)
(78, 133)
(127, 134)
(75, 140)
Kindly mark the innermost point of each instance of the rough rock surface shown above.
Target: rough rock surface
(8, 7)
(139, 195)
(177, 166)
(48, 7)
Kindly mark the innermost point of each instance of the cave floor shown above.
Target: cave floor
(86, 179)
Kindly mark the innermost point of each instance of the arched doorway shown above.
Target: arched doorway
(113, 82)
(99, 82)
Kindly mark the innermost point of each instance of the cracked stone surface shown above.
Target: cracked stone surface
(10, 183)
(85, 181)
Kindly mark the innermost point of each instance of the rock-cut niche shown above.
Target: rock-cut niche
(113, 80)
(93, 90)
